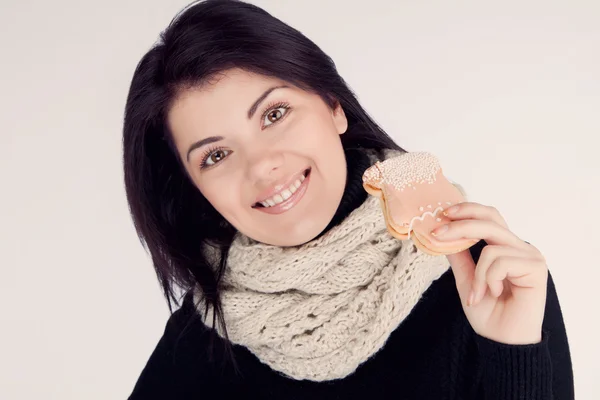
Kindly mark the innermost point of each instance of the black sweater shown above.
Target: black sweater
(433, 354)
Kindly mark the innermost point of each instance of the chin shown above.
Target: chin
(308, 226)
(302, 232)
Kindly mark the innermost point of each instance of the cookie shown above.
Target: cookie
(413, 193)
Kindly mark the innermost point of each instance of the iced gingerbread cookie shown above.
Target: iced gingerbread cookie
(413, 193)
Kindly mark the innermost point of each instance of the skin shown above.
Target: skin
(257, 153)
(503, 295)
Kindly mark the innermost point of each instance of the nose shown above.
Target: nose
(264, 165)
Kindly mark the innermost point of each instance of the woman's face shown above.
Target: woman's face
(264, 153)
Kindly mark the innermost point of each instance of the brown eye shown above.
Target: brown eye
(275, 115)
(215, 157)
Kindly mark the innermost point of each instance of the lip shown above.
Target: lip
(275, 189)
(292, 200)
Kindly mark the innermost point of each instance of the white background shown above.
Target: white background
(507, 94)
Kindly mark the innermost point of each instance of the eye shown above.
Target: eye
(214, 156)
(273, 115)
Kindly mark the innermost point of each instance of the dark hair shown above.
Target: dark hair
(172, 218)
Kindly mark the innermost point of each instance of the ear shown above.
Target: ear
(339, 118)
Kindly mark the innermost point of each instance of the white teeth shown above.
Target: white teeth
(284, 194)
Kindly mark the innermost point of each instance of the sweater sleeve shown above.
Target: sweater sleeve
(540, 371)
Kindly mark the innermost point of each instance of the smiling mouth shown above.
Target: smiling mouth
(285, 196)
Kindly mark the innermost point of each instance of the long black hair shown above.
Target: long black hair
(172, 218)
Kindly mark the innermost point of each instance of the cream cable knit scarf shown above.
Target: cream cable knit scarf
(319, 310)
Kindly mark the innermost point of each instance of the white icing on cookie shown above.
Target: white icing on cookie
(401, 172)
(373, 174)
(422, 217)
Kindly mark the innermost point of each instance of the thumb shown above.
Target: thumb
(463, 268)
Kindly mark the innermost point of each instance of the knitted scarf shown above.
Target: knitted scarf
(318, 310)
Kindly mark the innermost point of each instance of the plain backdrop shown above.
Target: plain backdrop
(507, 94)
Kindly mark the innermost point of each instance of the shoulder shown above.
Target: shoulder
(185, 318)
(184, 340)
(185, 333)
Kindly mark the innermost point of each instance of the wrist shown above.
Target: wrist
(521, 339)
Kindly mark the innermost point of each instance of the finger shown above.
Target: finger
(519, 271)
(463, 268)
(489, 231)
(469, 210)
(496, 288)
(488, 257)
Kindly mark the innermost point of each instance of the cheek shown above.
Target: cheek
(223, 196)
(317, 133)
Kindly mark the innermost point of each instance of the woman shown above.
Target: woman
(243, 156)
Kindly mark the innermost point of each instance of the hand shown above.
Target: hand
(504, 295)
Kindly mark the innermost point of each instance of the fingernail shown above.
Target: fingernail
(451, 210)
(439, 231)
(471, 299)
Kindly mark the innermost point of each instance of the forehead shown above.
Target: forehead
(232, 86)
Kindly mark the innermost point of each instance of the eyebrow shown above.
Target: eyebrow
(201, 143)
(263, 96)
(251, 113)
